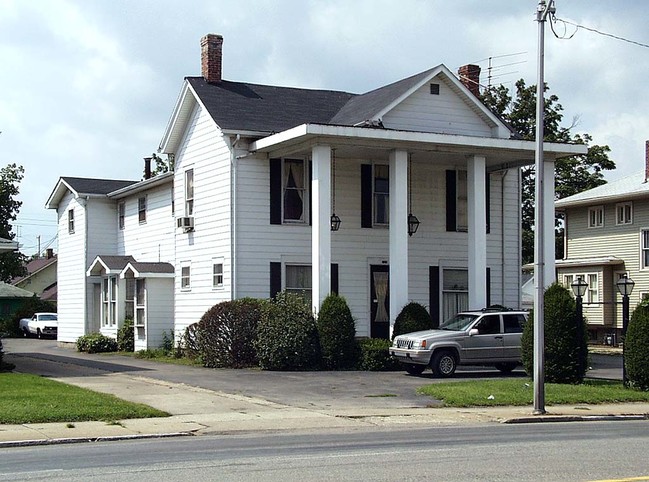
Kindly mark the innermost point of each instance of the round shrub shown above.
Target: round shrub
(337, 334)
(375, 356)
(225, 335)
(126, 336)
(413, 317)
(566, 349)
(636, 348)
(96, 343)
(287, 335)
(190, 343)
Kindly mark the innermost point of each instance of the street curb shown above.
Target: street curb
(77, 440)
(574, 418)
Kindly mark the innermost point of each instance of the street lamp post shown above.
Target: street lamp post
(625, 287)
(579, 287)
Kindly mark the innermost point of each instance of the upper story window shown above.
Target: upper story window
(624, 213)
(294, 195)
(185, 277)
(189, 192)
(121, 214)
(461, 202)
(141, 209)
(71, 221)
(457, 215)
(596, 217)
(381, 194)
(217, 273)
(644, 248)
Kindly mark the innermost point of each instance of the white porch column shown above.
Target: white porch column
(549, 271)
(398, 233)
(477, 227)
(321, 226)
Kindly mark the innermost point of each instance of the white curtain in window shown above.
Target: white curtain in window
(294, 190)
(381, 289)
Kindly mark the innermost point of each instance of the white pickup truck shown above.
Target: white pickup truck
(41, 325)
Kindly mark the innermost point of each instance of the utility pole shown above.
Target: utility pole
(542, 12)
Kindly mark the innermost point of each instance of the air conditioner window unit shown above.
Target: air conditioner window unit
(186, 223)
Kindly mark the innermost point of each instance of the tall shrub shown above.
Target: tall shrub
(225, 335)
(636, 348)
(413, 317)
(287, 335)
(337, 332)
(126, 336)
(566, 350)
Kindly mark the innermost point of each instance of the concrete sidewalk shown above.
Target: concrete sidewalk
(197, 411)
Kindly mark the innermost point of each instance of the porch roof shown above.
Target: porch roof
(378, 142)
(109, 264)
(147, 270)
(579, 262)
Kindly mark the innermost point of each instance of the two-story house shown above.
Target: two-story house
(40, 277)
(607, 237)
(421, 175)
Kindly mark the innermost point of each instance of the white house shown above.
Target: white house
(261, 170)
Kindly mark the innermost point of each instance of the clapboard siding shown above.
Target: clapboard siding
(446, 113)
(205, 150)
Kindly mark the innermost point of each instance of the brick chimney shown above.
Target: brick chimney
(49, 253)
(147, 167)
(470, 77)
(211, 54)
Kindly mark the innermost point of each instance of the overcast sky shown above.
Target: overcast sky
(87, 86)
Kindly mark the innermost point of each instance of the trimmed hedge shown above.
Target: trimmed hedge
(566, 350)
(337, 330)
(225, 335)
(413, 317)
(96, 343)
(375, 355)
(636, 348)
(126, 336)
(287, 335)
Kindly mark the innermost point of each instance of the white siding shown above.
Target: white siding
(446, 113)
(159, 314)
(205, 150)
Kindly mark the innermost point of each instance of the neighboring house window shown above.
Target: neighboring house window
(140, 302)
(121, 208)
(298, 280)
(455, 292)
(461, 205)
(592, 293)
(624, 213)
(71, 221)
(185, 277)
(189, 192)
(294, 198)
(644, 239)
(217, 273)
(381, 193)
(596, 217)
(141, 209)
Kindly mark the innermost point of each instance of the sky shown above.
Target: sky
(88, 86)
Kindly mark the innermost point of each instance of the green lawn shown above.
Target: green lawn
(520, 391)
(33, 399)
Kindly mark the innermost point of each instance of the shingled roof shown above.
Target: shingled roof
(83, 185)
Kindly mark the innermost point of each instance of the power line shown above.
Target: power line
(590, 29)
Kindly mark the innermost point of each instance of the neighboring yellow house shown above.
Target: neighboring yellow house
(40, 278)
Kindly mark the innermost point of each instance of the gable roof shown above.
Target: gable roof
(629, 187)
(110, 264)
(81, 187)
(34, 267)
(9, 291)
(148, 270)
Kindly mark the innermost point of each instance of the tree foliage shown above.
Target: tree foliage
(636, 348)
(337, 332)
(12, 264)
(572, 174)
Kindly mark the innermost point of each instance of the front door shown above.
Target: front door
(380, 301)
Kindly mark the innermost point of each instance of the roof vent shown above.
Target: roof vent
(434, 89)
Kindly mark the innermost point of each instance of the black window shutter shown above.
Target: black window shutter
(488, 286)
(275, 191)
(334, 278)
(488, 201)
(310, 191)
(451, 200)
(275, 278)
(434, 294)
(366, 195)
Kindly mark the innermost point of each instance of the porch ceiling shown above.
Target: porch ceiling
(374, 143)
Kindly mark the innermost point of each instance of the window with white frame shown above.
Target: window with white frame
(592, 293)
(217, 273)
(109, 301)
(141, 209)
(129, 299)
(121, 216)
(461, 202)
(644, 248)
(455, 291)
(596, 217)
(298, 280)
(185, 277)
(189, 192)
(294, 194)
(624, 213)
(381, 194)
(71, 221)
(140, 302)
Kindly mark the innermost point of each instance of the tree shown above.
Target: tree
(572, 174)
(12, 264)
(162, 166)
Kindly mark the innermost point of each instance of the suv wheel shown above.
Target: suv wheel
(39, 334)
(413, 369)
(444, 364)
(505, 367)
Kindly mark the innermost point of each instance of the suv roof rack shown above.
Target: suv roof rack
(495, 308)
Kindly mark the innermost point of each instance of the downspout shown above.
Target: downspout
(233, 218)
